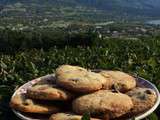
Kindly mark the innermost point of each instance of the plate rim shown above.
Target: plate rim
(138, 117)
(151, 110)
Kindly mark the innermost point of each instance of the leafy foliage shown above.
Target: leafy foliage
(12, 41)
(153, 116)
(86, 116)
(139, 57)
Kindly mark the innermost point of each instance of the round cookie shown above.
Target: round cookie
(23, 104)
(48, 92)
(67, 116)
(121, 80)
(143, 99)
(79, 80)
(103, 102)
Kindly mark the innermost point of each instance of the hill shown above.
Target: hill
(79, 10)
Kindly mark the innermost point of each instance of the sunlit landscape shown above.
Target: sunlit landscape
(36, 36)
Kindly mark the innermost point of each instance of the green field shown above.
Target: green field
(140, 57)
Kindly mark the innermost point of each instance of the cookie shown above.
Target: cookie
(121, 80)
(23, 104)
(68, 68)
(143, 99)
(67, 116)
(79, 80)
(47, 91)
(103, 103)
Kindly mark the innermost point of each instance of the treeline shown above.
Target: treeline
(13, 40)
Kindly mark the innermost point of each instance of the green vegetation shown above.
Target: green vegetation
(140, 57)
(86, 116)
(41, 12)
(12, 41)
(36, 36)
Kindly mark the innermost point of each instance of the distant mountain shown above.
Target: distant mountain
(138, 4)
(71, 8)
(128, 6)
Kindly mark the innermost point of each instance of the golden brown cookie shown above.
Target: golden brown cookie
(143, 99)
(123, 81)
(23, 104)
(67, 116)
(103, 102)
(79, 80)
(68, 68)
(47, 91)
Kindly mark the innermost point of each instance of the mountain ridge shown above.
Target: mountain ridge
(95, 3)
(122, 8)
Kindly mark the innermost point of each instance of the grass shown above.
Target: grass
(139, 57)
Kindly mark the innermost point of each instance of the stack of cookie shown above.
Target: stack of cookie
(105, 95)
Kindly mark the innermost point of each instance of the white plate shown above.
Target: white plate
(140, 82)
